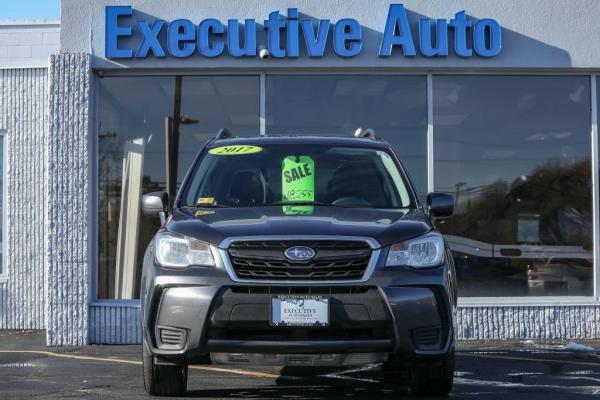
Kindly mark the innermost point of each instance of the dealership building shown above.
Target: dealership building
(494, 102)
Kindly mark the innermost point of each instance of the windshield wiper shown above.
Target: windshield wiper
(210, 206)
(299, 203)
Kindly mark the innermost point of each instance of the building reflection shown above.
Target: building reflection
(532, 236)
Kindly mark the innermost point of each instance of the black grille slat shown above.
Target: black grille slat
(172, 336)
(328, 290)
(427, 337)
(334, 260)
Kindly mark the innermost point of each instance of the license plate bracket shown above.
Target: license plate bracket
(300, 310)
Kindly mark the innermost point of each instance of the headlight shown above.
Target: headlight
(423, 252)
(174, 251)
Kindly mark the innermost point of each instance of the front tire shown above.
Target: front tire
(163, 380)
(433, 380)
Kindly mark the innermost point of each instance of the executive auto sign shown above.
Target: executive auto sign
(210, 37)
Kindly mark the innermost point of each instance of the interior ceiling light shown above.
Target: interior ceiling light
(352, 87)
(577, 95)
(454, 94)
(539, 136)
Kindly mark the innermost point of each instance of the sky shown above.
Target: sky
(29, 9)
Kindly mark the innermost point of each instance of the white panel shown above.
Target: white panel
(129, 221)
(116, 324)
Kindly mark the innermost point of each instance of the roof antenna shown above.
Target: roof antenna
(365, 133)
(224, 134)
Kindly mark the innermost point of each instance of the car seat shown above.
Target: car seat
(357, 180)
(247, 188)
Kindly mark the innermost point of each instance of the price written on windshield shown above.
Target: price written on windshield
(299, 194)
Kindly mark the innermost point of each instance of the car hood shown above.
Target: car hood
(215, 225)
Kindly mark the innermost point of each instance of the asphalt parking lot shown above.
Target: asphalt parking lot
(484, 371)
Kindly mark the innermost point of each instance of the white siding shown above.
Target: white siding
(23, 117)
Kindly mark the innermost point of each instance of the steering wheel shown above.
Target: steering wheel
(351, 202)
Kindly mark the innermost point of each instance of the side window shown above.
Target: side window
(390, 166)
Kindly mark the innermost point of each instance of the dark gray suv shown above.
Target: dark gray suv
(298, 251)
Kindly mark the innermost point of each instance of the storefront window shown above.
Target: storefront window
(133, 114)
(395, 106)
(515, 153)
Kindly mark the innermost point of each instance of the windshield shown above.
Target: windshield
(275, 174)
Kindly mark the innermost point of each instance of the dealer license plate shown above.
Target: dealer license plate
(300, 311)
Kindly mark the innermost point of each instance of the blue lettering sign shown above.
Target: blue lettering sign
(150, 41)
(426, 41)
(492, 28)
(460, 23)
(274, 25)
(397, 22)
(233, 38)
(181, 38)
(293, 34)
(114, 31)
(346, 38)
(208, 47)
(210, 37)
(315, 43)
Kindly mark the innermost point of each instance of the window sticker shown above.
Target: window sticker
(298, 179)
(235, 150)
(201, 213)
(298, 210)
(205, 200)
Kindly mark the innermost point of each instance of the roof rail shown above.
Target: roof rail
(224, 134)
(365, 133)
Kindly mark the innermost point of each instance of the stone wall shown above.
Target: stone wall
(69, 201)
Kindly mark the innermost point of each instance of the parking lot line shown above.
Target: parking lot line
(254, 374)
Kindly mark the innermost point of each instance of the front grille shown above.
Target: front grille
(333, 260)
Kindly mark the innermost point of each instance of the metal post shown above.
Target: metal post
(595, 176)
(168, 152)
(430, 160)
(172, 143)
(262, 109)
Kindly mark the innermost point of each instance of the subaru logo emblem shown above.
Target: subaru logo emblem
(299, 253)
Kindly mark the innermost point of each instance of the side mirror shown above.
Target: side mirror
(155, 204)
(440, 205)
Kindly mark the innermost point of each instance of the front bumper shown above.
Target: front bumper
(190, 314)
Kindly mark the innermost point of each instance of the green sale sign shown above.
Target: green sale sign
(298, 183)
